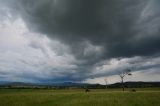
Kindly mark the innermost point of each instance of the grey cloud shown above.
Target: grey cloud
(115, 66)
(95, 30)
(116, 25)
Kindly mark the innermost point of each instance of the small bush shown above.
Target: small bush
(87, 90)
(133, 90)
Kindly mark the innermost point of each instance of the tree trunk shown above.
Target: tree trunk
(122, 83)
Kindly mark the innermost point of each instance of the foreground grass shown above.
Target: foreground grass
(78, 98)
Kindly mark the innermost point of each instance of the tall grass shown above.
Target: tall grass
(78, 98)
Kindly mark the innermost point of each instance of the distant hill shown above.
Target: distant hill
(41, 85)
(136, 84)
(78, 85)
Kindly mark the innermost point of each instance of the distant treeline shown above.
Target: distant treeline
(78, 85)
(136, 84)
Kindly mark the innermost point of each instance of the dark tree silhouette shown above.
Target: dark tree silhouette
(122, 75)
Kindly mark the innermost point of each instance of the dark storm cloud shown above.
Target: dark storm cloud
(96, 30)
(116, 25)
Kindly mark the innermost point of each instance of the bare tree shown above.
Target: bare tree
(122, 75)
(106, 82)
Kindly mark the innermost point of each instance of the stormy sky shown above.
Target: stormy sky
(79, 40)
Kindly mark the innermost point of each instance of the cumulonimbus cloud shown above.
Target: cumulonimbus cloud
(95, 30)
(123, 28)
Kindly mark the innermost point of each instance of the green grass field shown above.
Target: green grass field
(145, 97)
